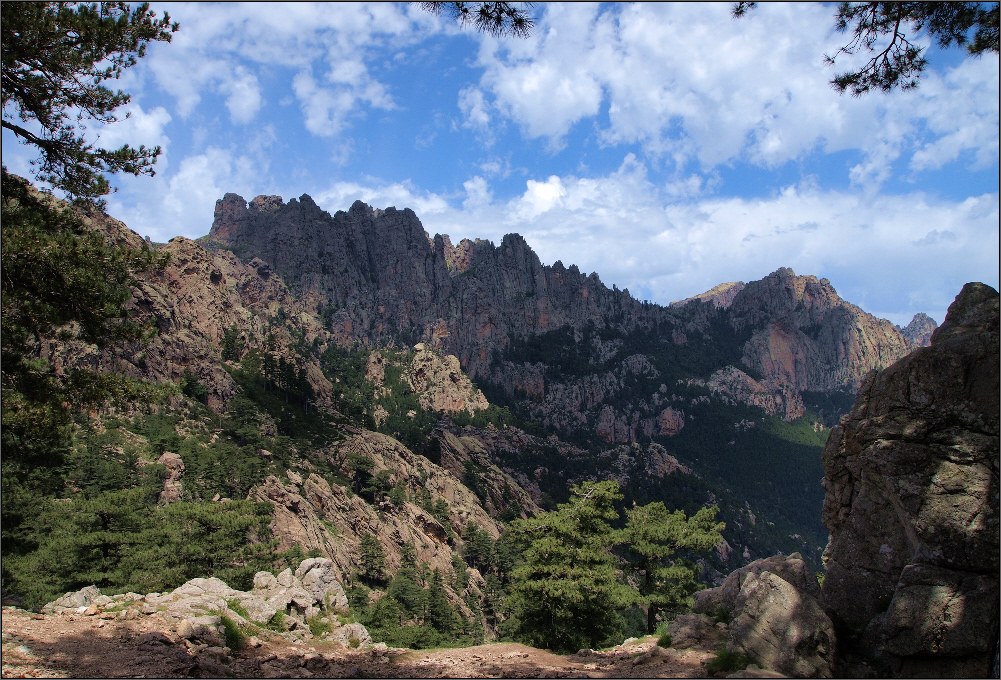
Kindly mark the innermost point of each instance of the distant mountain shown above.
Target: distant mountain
(304, 332)
(920, 329)
(589, 364)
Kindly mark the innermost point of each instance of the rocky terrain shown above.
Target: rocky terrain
(385, 278)
(912, 506)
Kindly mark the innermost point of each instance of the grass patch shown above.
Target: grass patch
(235, 638)
(318, 625)
(237, 608)
(727, 662)
(276, 622)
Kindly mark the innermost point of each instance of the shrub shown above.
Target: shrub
(237, 608)
(722, 615)
(664, 640)
(276, 622)
(727, 661)
(235, 638)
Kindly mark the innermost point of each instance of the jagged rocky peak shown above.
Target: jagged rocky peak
(720, 296)
(912, 504)
(920, 329)
(783, 293)
(458, 258)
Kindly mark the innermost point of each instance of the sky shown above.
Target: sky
(667, 147)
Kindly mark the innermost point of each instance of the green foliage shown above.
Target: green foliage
(55, 57)
(566, 593)
(498, 19)
(653, 535)
(900, 62)
(190, 387)
(727, 661)
(232, 347)
(665, 640)
(237, 608)
(122, 541)
(276, 622)
(460, 575)
(721, 615)
(373, 559)
(235, 639)
(318, 625)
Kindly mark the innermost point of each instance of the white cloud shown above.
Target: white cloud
(227, 49)
(689, 83)
(477, 193)
(340, 196)
(183, 204)
(139, 128)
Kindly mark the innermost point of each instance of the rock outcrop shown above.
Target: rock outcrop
(195, 609)
(775, 617)
(912, 504)
(719, 296)
(806, 336)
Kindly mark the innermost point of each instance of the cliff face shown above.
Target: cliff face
(912, 503)
(381, 278)
(806, 336)
(386, 280)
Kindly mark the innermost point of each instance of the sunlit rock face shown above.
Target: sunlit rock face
(912, 503)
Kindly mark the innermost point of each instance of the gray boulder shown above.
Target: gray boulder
(782, 628)
(791, 569)
(317, 576)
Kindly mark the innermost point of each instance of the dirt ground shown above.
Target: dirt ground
(80, 646)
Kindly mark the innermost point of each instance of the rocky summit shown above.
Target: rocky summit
(912, 506)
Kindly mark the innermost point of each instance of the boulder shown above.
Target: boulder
(691, 630)
(317, 576)
(349, 633)
(791, 569)
(782, 628)
(912, 504)
(84, 597)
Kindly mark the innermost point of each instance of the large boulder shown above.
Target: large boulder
(782, 628)
(791, 568)
(317, 576)
(775, 616)
(912, 504)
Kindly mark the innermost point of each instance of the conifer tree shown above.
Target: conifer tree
(566, 594)
(653, 535)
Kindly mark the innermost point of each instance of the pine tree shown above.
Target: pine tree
(373, 559)
(566, 594)
(653, 535)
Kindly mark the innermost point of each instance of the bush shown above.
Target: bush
(318, 625)
(235, 638)
(727, 661)
(664, 640)
(276, 622)
(237, 608)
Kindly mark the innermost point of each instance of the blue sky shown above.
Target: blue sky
(667, 147)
